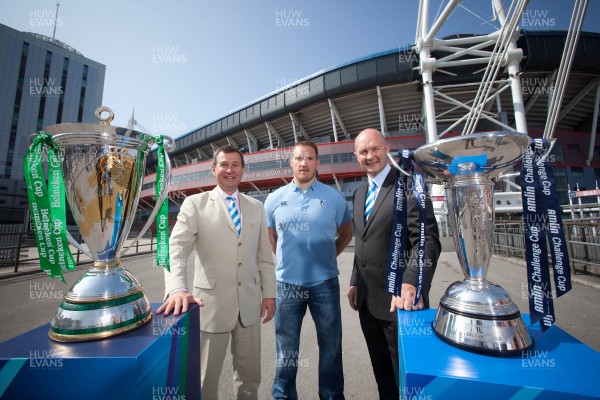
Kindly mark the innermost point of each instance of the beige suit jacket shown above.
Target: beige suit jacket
(232, 273)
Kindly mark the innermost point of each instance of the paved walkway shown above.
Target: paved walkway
(31, 300)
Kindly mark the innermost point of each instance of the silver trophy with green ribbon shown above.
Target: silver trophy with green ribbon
(99, 168)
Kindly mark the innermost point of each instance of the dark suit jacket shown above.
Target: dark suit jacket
(372, 243)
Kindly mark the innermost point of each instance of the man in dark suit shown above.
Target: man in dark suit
(367, 292)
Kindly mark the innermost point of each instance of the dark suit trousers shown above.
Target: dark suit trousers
(382, 341)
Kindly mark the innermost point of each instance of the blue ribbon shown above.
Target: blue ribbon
(542, 221)
(396, 263)
(554, 225)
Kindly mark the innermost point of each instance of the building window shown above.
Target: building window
(576, 172)
(16, 109)
(573, 149)
(560, 180)
(63, 85)
(44, 91)
(558, 154)
(82, 93)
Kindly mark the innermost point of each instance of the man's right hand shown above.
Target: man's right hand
(353, 297)
(178, 302)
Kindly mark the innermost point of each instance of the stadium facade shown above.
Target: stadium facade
(384, 91)
(43, 82)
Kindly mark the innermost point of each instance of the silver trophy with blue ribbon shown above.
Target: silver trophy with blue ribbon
(475, 314)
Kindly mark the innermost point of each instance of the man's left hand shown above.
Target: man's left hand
(406, 299)
(267, 310)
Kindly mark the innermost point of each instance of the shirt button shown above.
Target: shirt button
(239, 244)
(239, 264)
(363, 265)
(239, 283)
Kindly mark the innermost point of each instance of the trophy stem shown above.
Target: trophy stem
(107, 300)
(471, 215)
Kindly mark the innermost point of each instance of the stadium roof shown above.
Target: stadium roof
(384, 91)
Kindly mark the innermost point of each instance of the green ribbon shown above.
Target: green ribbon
(47, 206)
(162, 218)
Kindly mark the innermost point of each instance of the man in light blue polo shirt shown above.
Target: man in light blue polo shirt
(303, 219)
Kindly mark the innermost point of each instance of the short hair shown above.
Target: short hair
(226, 149)
(306, 143)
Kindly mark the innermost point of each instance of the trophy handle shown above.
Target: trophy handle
(79, 247)
(539, 162)
(395, 164)
(507, 175)
(163, 193)
(547, 153)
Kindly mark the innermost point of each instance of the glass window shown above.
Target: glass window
(573, 149)
(577, 172)
(558, 154)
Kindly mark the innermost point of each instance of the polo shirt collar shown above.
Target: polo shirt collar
(296, 187)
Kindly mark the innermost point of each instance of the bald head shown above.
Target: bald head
(369, 134)
(371, 150)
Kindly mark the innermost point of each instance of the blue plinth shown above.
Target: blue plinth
(160, 360)
(559, 366)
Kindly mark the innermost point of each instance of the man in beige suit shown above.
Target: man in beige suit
(234, 277)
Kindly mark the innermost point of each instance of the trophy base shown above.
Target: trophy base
(496, 335)
(104, 302)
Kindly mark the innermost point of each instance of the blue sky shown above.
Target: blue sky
(184, 63)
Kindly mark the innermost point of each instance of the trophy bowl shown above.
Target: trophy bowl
(103, 168)
(475, 314)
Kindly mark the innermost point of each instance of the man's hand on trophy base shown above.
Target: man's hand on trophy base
(406, 299)
(178, 302)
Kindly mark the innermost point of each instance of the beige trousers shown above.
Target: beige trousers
(245, 351)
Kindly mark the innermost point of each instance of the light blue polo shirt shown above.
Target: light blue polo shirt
(306, 225)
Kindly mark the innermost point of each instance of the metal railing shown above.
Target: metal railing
(583, 243)
(18, 249)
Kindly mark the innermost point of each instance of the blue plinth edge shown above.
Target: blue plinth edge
(558, 367)
(158, 360)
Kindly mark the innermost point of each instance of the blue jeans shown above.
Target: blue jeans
(324, 303)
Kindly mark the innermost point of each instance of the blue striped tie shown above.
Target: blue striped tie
(235, 215)
(370, 199)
